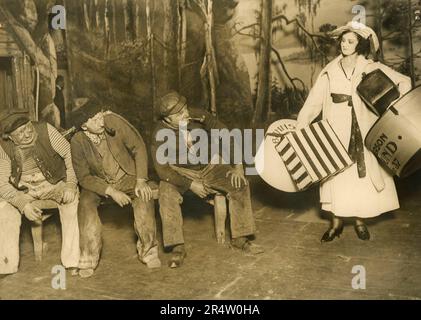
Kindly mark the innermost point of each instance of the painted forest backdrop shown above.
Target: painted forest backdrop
(249, 61)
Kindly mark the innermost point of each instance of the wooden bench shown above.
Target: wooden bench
(40, 247)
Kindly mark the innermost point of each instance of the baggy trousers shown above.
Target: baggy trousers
(214, 177)
(10, 222)
(91, 228)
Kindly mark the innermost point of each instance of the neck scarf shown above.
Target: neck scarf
(95, 138)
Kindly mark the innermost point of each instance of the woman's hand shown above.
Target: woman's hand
(300, 125)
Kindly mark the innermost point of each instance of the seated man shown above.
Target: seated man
(110, 161)
(201, 179)
(35, 164)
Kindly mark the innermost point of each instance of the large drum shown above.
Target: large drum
(294, 160)
(395, 138)
(269, 163)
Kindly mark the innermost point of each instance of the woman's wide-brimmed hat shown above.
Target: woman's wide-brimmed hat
(360, 29)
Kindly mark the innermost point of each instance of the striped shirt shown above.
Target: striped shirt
(18, 198)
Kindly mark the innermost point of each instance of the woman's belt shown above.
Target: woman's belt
(356, 144)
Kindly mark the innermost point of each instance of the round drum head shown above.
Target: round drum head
(269, 164)
(395, 138)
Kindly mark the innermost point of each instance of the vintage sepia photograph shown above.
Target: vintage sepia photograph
(181, 150)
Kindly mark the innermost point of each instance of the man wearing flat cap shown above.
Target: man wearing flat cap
(110, 160)
(35, 164)
(203, 179)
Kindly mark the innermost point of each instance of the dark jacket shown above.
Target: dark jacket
(165, 172)
(126, 145)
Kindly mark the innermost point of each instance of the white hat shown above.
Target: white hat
(360, 29)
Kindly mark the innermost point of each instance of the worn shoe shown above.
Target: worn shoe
(86, 273)
(246, 246)
(362, 232)
(73, 271)
(177, 256)
(252, 248)
(154, 263)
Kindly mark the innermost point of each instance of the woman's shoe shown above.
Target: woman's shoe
(332, 233)
(362, 232)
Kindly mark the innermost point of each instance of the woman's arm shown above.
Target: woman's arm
(314, 103)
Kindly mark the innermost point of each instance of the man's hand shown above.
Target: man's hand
(143, 190)
(121, 198)
(32, 212)
(198, 188)
(69, 194)
(237, 177)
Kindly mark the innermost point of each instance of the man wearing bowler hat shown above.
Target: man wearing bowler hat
(110, 161)
(35, 164)
(203, 179)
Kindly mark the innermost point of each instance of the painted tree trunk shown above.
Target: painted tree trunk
(86, 15)
(379, 27)
(264, 76)
(411, 45)
(114, 9)
(170, 41)
(97, 13)
(151, 52)
(25, 39)
(128, 31)
(182, 37)
(106, 30)
(210, 56)
(136, 19)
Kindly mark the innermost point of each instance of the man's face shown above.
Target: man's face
(182, 115)
(95, 124)
(24, 135)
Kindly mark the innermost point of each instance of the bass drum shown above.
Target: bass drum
(268, 162)
(395, 138)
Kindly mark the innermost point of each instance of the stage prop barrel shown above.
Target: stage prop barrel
(395, 138)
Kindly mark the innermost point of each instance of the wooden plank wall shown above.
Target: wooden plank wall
(8, 46)
(23, 73)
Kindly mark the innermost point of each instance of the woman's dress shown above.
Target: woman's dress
(365, 190)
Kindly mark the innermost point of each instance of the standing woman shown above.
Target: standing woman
(365, 189)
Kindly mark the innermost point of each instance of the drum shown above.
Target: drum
(298, 159)
(268, 162)
(395, 138)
